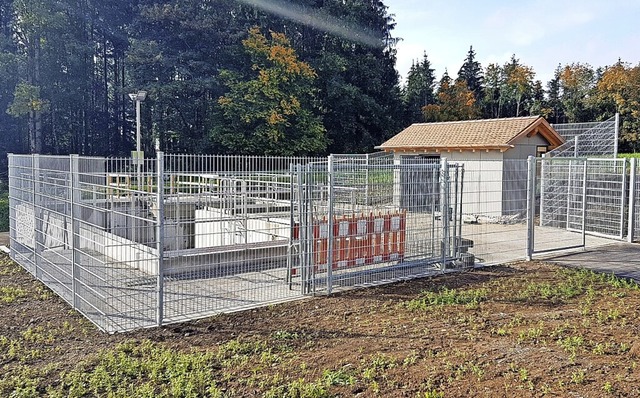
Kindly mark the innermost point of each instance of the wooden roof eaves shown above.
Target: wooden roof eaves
(453, 148)
(545, 129)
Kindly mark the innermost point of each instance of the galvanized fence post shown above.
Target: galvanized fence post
(35, 167)
(302, 231)
(160, 235)
(623, 195)
(12, 203)
(444, 211)
(632, 201)
(569, 192)
(531, 205)
(367, 199)
(292, 237)
(584, 203)
(330, 203)
(74, 198)
(616, 134)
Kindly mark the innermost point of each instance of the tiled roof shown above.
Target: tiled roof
(488, 133)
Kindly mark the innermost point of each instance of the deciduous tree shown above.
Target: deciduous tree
(272, 110)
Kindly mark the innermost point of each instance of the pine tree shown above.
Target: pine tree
(471, 73)
(554, 100)
(418, 91)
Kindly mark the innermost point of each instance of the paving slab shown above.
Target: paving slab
(621, 259)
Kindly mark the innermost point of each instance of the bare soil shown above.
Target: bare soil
(524, 330)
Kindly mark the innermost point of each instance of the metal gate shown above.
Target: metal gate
(341, 241)
(570, 198)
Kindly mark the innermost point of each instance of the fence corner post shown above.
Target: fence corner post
(632, 201)
(160, 235)
(330, 204)
(531, 205)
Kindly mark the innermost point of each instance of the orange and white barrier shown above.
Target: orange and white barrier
(358, 240)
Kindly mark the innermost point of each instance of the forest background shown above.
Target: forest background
(307, 77)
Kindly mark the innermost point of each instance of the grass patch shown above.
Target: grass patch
(142, 370)
(629, 155)
(9, 294)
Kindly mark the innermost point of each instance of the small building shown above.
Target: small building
(493, 151)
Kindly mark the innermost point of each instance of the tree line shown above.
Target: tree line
(577, 92)
(250, 77)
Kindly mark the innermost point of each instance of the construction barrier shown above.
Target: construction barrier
(357, 240)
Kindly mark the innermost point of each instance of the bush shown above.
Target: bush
(4, 211)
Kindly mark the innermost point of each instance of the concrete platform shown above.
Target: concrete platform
(621, 259)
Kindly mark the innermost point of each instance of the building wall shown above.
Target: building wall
(482, 189)
(525, 147)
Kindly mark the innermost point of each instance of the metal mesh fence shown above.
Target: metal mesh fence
(409, 226)
(494, 209)
(134, 244)
(633, 227)
(592, 139)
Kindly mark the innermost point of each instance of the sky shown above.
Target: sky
(541, 33)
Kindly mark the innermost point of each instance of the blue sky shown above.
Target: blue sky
(541, 33)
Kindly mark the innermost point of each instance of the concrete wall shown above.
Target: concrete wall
(227, 260)
(214, 227)
(120, 249)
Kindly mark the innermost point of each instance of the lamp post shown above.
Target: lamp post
(138, 158)
(138, 98)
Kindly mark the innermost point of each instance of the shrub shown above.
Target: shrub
(4, 211)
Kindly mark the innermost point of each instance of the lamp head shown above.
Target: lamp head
(139, 96)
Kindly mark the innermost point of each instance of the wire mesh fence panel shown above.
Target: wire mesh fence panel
(52, 188)
(582, 199)
(21, 211)
(227, 233)
(561, 204)
(115, 242)
(494, 208)
(592, 139)
(403, 231)
(90, 241)
(606, 197)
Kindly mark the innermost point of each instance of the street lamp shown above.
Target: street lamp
(138, 98)
(138, 158)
